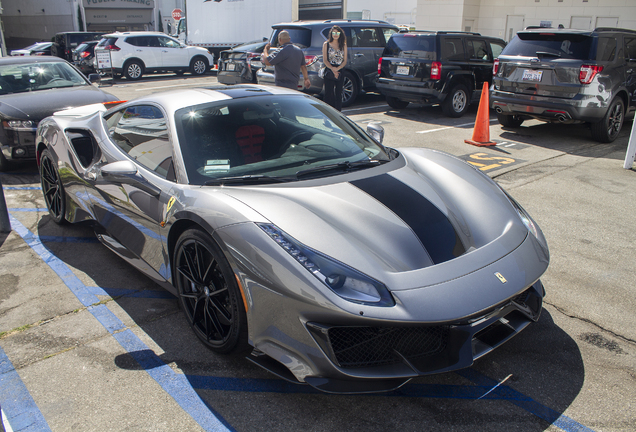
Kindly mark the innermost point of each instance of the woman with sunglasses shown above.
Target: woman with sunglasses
(334, 55)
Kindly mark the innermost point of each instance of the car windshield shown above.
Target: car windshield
(250, 47)
(560, 45)
(25, 77)
(37, 45)
(271, 138)
(82, 47)
(411, 45)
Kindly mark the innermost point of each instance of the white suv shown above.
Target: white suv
(134, 53)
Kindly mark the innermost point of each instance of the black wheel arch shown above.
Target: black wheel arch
(459, 77)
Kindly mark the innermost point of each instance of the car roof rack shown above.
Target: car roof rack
(357, 20)
(614, 29)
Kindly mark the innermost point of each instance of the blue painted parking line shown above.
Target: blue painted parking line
(16, 402)
(29, 209)
(22, 187)
(176, 385)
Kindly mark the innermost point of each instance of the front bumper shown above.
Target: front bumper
(417, 92)
(581, 108)
(19, 144)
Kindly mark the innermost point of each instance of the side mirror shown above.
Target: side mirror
(94, 78)
(376, 132)
(125, 172)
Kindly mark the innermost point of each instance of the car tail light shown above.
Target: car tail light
(310, 59)
(436, 70)
(380, 66)
(495, 67)
(38, 53)
(588, 72)
(84, 54)
(111, 47)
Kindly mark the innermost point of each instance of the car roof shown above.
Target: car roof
(550, 30)
(26, 60)
(134, 33)
(341, 23)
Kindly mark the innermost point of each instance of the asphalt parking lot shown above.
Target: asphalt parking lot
(87, 343)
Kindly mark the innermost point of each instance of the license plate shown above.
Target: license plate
(531, 75)
(402, 70)
(231, 66)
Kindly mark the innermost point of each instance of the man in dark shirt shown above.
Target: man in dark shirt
(288, 62)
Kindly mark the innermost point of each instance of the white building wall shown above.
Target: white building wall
(38, 19)
(394, 11)
(492, 17)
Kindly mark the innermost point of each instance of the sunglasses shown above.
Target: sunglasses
(335, 33)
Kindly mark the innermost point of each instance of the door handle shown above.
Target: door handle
(358, 55)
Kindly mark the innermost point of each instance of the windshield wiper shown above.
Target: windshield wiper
(545, 53)
(246, 179)
(345, 166)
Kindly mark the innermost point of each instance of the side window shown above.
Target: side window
(452, 49)
(141, 132)
(169, 43)
(366, 37)
(630, 49)
(134, 41)
(477, 49)
(496, 48)
(606, 49)
(387, 33)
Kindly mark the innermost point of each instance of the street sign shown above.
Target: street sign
(176, 14)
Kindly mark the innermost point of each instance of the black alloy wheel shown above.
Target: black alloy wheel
(511, 121)
(457, 101)
(350, 88)
(607, 130)
(209, 294)
(396, 103)
(52, 188)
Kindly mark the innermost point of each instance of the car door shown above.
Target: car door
(147, 49)
(630, 73)
(172, 53)
(479, 61)
(367, 44)
(131, 205)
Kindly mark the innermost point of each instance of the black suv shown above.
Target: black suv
(448, 68)
(567, 76)
(66, 42)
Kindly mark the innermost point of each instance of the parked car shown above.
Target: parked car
(66, 42)
(240, 64)
(133, 54)
(255, 207)
(32, 88)
(448, 68)
(83, 56)
(568, 76)
(365, 41)
(38, 48)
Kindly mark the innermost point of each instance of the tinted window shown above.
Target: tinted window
(452, 49)
(568, 46)
(299, 36)
(606, 50)
(366, 37)
(388, 32)
(169, 43)
(411, 45)
(496, 48)
(477, 49)
(18, 78)
(107, 41)
(630, 48)
(141, 132)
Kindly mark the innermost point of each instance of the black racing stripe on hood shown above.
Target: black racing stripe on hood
(429, 224)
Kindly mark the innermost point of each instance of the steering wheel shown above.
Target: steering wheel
(295, 135)
(324, 148)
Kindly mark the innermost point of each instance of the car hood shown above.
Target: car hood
(36, 105)
(425, 210)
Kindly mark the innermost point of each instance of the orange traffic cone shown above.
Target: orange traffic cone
(481, 133)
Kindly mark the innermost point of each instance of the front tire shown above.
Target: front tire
(511, 121)
(350, 88)
(457, 101)
(199, 66)
(607, 130)
(395, 103)
(133, 70)
(52, 188)
(209, 293)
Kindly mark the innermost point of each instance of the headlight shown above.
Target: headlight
(20, 124)
(343, 280)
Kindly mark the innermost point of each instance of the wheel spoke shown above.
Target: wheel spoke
(214, 321)
(224, 314)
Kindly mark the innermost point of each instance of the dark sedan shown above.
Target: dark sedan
(240, 64)
(37, 49)
(32, 88)
(83, 56)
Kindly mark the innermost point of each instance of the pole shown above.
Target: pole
(5, 225)
(631, 148)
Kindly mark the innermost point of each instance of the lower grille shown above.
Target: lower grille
(377, 346)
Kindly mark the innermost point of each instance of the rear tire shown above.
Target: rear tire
(350, 88)
(396, 103)
(607, 130)
(457, 101)
(511, 121)
(133, 70)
